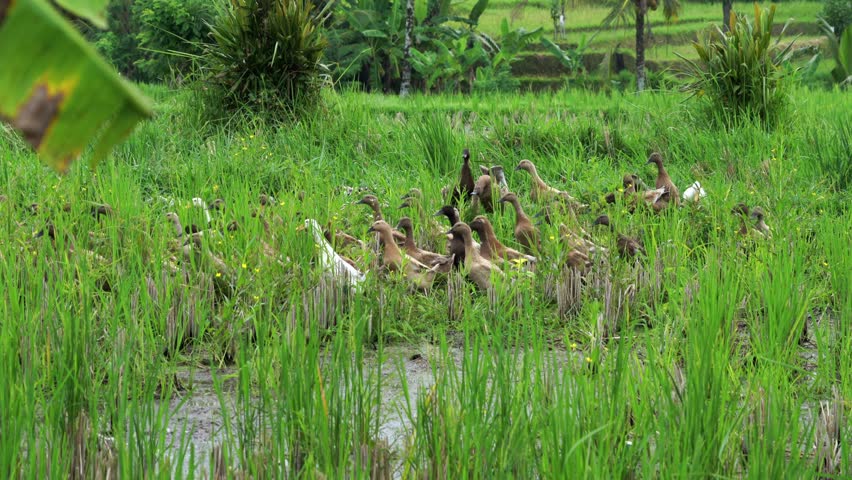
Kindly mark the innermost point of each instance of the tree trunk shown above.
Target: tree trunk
(726, 14)
(641, 10)
(406, 49)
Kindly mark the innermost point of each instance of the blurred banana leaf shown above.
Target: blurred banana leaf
(56, 90)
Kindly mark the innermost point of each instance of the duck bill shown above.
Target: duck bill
(518, 168)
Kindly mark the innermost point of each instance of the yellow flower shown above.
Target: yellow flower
(573, 346)
(256, 270)
(218, 274)
(263, 147)
(245, 266)
(215, 188)
(245, 148)
(552, 237)
(620, 189)
(824, 264)
(256, 298)
(251, 136)
(282, 204)
(588, 359)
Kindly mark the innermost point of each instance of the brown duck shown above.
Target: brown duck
(672, 194)
(540, 189)
(466, 184)
(491, 249)
(760, 225)
(394, 260)
(525, 232)
(430, 259)
(478, 269)
(373, 202)
(482, 193)
(627, 246)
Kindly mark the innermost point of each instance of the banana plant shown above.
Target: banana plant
(841, 50)
(621, 13)
(55, 89)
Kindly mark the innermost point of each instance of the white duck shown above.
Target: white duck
(199, 203)
(694, 193)
(330, 261)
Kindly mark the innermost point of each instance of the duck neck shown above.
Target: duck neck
(661, 171)
(536, 178)
(177, 226)
(519, 211)
(387, 240)
(409, 237)
(469, 251)
(377, 213)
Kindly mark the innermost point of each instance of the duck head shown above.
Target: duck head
(478, 224)
(602, 220)
(404, 224)
(370, 200)
(525, 165)
(219, 204)
(656, 159)
(466, 155)
(379, 226)
(508, 197)
(757, 214)
(265, 200)
(740, 209)
(449, 211)
(413, 193)
(459, 230)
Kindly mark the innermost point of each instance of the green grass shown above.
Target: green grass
(674, 366)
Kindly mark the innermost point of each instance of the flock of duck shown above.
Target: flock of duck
(415, 256)
(486, 259)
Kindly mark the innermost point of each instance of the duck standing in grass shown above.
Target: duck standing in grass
(466, 182)
(694, 193)
(628, 247)
(416, 273)
(482, 194)
(430, 259)
(760, 225)
(331, 263)
(478, 269)
(541, 190)
(491, 249)
(525, 232)
(672, 194)
(373, 202)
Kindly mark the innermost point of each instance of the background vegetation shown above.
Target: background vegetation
(727, 356)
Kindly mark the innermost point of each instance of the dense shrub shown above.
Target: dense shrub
(739, 72)
(838, 14)
(265, 56)
(168, 31)
(148, 40)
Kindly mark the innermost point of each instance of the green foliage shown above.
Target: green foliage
(170, 33)
(265, 56)
(308, 383)
(838, 14)
(149, 40)
(741, 72)
(57, 91)
(365, 43)
(840, 49)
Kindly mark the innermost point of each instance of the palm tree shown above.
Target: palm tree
(622, 12)
(406, 49)
(727, 5)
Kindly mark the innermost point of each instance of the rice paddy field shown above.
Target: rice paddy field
(666, 45)
(126, 354)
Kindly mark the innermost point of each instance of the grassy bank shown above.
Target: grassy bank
(715, 355)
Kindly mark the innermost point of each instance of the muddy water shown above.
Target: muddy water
(196, 414)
